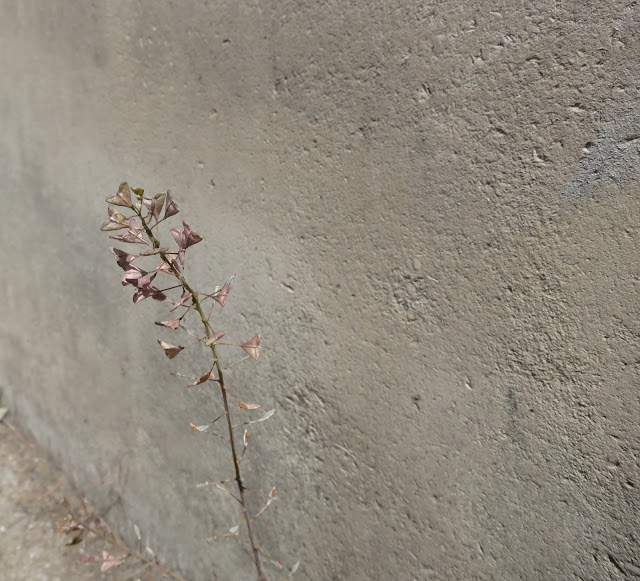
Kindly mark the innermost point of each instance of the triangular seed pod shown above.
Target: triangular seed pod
(170, 350)
(252, 346)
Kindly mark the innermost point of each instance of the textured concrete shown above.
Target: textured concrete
(433, 212)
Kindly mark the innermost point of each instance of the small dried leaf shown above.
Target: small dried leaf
(171, 208)
(295, 568)
(159, 202)
(191, 237)
(216, 335)
(158, 295)
(87, 558)
(154, 205)
(174, 324)
(220, 296)
(135, 224)
(180, 238)
(109, 561)
(136, 530)
(249, 406)
(245, 438)
(134, 235)
(123, 257)
(116, 216)
(109, 225)
(123, 188)
(126, 237)
(138, 296)
(122, 198)
(153, 555)
(132, 274)
(234, 530)
(266, 416)
(145, 280)
(170, 350)
(201, 379)
(252, 346)
(149, 291)
(131, 237)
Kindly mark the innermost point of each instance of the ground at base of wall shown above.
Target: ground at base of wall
(32, 519)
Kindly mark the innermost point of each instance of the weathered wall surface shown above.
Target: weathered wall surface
(433, 212)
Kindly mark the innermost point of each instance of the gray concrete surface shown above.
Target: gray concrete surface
(432, 209)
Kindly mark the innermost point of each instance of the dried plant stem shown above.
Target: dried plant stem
(236, 462)
(223, 391)
(130, 552)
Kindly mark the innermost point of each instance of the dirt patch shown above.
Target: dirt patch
(32, 520)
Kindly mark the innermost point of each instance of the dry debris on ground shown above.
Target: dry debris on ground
(33, 546)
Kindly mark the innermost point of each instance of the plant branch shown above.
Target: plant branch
(171, 263)
(111, 540)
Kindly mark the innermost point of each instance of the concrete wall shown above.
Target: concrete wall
(432, 209)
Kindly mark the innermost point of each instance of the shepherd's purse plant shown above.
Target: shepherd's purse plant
(166, 281)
